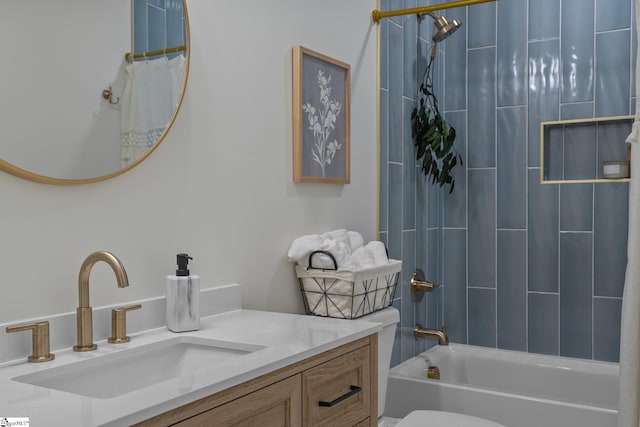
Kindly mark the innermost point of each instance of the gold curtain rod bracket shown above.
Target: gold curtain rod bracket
(377, 15)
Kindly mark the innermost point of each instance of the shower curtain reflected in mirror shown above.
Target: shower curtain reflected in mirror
(148, 93)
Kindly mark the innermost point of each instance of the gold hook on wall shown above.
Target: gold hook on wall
(107, 94)
(377, 15)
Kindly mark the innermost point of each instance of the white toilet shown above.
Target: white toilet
(389, 317)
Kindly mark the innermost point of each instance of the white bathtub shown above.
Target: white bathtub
(512, 388)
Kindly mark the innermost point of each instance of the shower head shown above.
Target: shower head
(444, 28)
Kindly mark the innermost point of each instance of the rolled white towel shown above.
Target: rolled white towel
(379, 252)
(363, 259)
(355, 240)
(303, 246)
(340, 236)
(340, 252)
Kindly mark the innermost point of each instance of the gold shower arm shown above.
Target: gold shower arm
(377, 15)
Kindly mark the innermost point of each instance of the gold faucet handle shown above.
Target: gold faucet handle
(40, 339)
(119, 324)
(419, 285)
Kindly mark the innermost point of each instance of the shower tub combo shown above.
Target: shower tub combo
(513, 388)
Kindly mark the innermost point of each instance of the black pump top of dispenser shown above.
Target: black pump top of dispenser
(183, 264)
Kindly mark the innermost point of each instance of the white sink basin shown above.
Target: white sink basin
(118, 373)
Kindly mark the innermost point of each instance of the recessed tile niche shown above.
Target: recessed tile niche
(573, 151)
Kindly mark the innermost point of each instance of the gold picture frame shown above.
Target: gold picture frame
(321, 118)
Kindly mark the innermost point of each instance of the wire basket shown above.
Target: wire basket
(347, 294)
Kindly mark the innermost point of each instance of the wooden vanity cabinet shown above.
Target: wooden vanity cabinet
(336, 388)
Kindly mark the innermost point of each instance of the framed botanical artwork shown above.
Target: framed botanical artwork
(321, 114)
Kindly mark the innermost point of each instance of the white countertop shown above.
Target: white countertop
(287, 338)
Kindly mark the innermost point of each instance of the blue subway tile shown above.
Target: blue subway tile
(482, 25)
(579, 151)
(512, 167)
(140, 22)
(512, 53)
(422, 59)
(613, 14)
(576, 207)
(455, 203)
(455, 77)
(634, 48)
(575, 295)
(175, 23)
(606, 329)
(397, 340)
(554, 153)
(410, 49)
(482, 317)
(454, 250)
(396, 123)
(407, 323)
(384, 54)
(408, 171)
(544, 19)
(482, 108)
(157, 28)
(157, 3)
(542, 235)
(543, 327)
(577, 51)
(435, 202)
(512, 290)
(581, 110)
(611, 216)
(395, 211)
(544, 62)
(422, 210)
(407, 319)
(409, 263)
(482, 227)
(434, 256)
(612, 73)
(384, 159)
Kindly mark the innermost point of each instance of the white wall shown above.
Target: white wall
(219, 186)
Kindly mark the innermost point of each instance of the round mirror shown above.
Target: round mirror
(90, 87)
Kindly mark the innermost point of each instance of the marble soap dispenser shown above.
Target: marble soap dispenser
(183, 298)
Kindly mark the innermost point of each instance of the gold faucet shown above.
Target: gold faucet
(440, 335)
(84, 312)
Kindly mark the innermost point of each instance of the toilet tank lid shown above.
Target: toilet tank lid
(444, 419)
(386, 316)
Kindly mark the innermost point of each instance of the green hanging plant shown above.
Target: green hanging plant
(431, 134)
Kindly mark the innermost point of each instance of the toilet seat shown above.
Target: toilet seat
(444, 419)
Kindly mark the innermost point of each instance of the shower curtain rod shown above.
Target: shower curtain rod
(128, 57)
(377, 15)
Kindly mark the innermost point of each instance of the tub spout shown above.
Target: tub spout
(440, 335)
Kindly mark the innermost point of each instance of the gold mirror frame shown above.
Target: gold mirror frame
(31, 176)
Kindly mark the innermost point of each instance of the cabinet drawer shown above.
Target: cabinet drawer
(277, 405)
(338, 392)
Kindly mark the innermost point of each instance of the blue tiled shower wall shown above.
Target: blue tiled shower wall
(522, 266)
(158, 24)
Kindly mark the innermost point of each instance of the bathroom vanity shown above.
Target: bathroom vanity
(333, 388)
(242, 367)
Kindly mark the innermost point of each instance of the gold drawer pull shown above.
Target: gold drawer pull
(354, 390)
